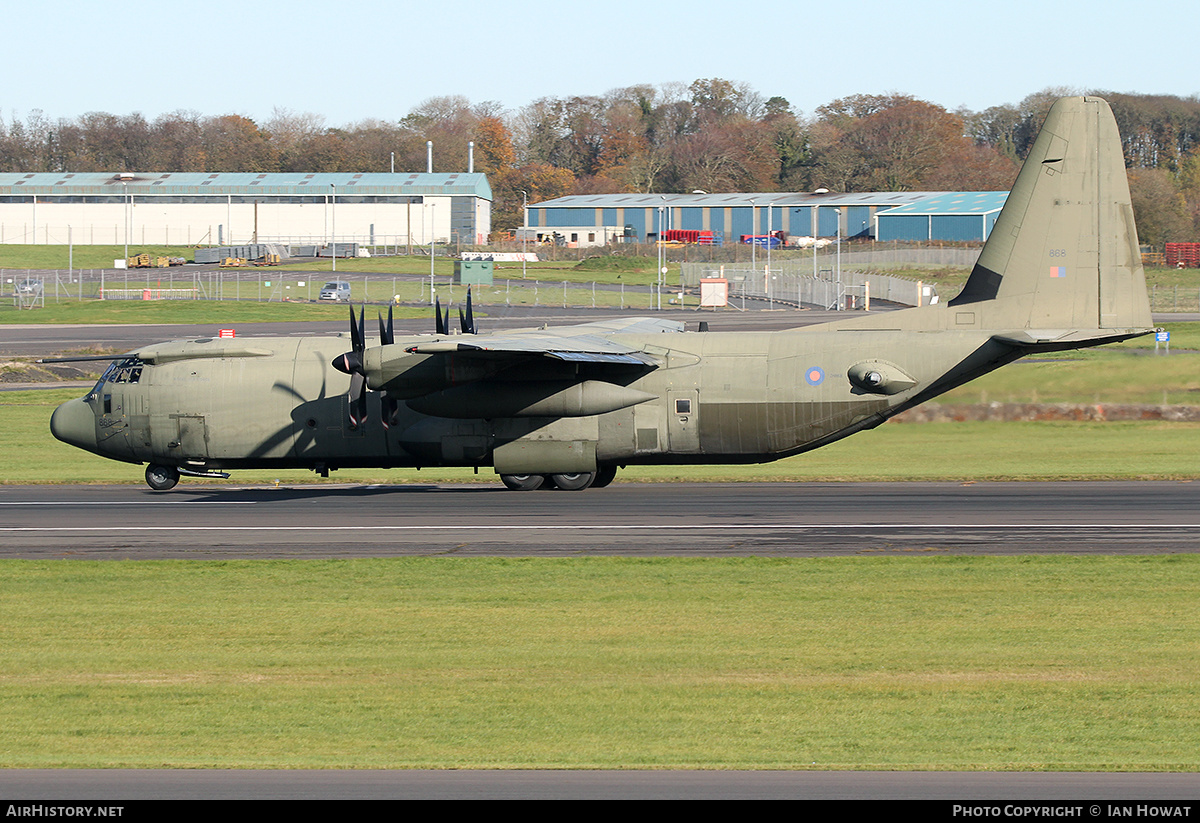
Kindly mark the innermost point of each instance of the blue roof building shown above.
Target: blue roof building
(728, 216)
(963, 216)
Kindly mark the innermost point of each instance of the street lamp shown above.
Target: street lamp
(333, 222)
(816, 227)
(659, 242)
(838, 266)
(125, 204)
(770, 291)
(753, 236)
(432, 235)
(524, 228)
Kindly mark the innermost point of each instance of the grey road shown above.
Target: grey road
(1072, 790)
(694, 520)
(46, 340)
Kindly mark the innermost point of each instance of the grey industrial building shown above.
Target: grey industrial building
(949, 216)
(231, 208)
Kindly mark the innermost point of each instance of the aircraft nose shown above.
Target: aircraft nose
(73, 422)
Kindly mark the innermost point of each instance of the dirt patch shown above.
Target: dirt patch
(17, 371)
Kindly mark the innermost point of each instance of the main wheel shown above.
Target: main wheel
(161, 478)
(522, 482)
(572, 482)
(604, 476)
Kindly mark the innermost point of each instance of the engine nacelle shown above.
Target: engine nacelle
(490, 400)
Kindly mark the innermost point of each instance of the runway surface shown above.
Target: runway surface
(48, 340)
(1079, 790)
(689, 520)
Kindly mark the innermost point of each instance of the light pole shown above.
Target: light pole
(753, 235)
(816, 226)
(816, 234)
(658, 242)
(432, 234)
(770, 291)
(524, 228)
(838, 267)
(333, 222)
(125, 199)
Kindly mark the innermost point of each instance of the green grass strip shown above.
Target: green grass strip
(1044, 663)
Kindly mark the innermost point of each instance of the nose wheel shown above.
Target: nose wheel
(161, 478)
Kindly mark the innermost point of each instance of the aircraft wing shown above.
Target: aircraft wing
(585, 343)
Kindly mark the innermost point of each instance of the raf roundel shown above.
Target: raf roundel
(814, 376)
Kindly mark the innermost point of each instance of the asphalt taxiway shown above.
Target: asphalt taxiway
(48, 340)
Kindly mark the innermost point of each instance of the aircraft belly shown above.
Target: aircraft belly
(774, 428)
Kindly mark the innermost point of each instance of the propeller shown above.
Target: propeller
(467, 322)
(387, 336)
(351, 363)
(442, 323)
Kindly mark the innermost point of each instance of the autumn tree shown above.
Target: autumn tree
(1159, 209)
(234, 143)
(178, 143)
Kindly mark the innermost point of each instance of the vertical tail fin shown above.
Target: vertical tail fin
(1064, 251)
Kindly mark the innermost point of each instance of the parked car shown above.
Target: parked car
(336, 290)
(29, 286)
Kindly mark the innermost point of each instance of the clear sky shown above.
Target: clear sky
(374, 59)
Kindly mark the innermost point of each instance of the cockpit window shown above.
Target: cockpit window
(128, 370)
(127, 374)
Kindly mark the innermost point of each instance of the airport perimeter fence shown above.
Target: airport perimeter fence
(1174, 298)
(791, 282)
(865, 254)
(279, 285)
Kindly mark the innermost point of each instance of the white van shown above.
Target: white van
(336, 290)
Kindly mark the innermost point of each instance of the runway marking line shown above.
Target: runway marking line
(131, 503)
(622, 527)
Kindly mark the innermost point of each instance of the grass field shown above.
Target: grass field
(1048, 663)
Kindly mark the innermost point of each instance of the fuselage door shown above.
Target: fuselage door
(179, 436)
(682, 428)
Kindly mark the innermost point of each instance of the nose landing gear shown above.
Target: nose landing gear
(161, 478)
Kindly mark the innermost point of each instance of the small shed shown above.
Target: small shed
(473, 272)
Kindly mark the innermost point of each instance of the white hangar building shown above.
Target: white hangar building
(185, 208)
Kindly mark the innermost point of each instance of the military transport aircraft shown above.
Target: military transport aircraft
(564, 408)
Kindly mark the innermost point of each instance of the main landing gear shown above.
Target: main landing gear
(566, 482)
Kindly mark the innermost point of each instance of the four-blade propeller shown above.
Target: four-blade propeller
(352, 362)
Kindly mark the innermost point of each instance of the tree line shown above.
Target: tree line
(712, 135)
